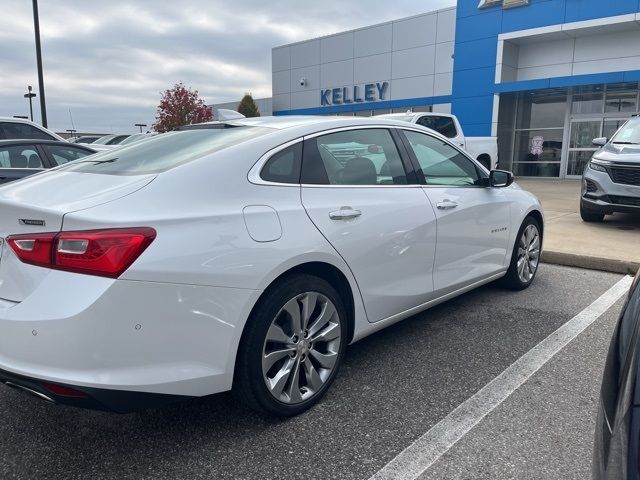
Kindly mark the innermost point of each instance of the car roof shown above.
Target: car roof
(291, 121)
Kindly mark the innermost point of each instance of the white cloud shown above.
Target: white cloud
(109, 61)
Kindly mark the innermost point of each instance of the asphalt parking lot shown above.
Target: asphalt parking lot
(393, 387)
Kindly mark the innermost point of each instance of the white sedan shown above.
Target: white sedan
(246, 255)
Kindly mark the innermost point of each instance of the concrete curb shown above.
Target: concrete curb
(592, 263)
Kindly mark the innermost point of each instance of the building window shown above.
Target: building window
(538, 134)
(622, 98)
(588, 99)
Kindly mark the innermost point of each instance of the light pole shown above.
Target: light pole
(140, 125)
(36, 27)
(30, 96)
(71, 132)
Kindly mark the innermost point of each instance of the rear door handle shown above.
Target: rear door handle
(345, 213)
(446, 205)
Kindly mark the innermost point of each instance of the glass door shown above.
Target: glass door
(581, 134)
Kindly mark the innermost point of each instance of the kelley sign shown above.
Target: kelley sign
(370, 92)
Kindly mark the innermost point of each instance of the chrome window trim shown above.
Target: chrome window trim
(254, 173)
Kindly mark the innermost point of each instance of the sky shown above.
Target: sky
(106, 62)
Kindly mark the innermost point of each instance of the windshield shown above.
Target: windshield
(629, 133)
(164, 152)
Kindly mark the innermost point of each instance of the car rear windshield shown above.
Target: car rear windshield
(164, 152)
(629, 133)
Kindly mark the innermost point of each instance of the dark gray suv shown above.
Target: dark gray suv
(611, 180)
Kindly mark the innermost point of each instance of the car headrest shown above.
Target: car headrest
(19, 161)
(359, 171)
(34, 161)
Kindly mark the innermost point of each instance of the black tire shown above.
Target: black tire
(589, 216)
(249, 384)
(512, 279)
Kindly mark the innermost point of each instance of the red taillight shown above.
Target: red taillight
(107, 253)
(63, 391)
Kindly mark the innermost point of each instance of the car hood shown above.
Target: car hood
(619, 153)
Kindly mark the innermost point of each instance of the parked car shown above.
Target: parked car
(611, 179)
(86, 139)
(136, 137)
(13, 128)
(107, 142)
(617, 435)
(21, 158)
(483, 149)
(244, 255)
(110, 140)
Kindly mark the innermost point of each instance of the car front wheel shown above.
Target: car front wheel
(292, 347)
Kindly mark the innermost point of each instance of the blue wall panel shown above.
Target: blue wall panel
(476, 54)
(477, 33)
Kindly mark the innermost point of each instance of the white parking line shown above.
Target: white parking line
(426, 450)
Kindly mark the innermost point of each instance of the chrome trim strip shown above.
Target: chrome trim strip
(29, 390)
(379, 325)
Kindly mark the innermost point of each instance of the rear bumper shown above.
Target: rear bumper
(118, 401)
(120, 340)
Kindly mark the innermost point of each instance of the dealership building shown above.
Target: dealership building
(543, 76)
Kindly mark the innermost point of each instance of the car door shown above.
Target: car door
(473, 219)
(18, 161)
(356, 191)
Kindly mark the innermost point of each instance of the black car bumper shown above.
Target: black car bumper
(118, 401)
(610, 204)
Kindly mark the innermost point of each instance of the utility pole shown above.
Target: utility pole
(36, 25)
(30, 95)
(140, 125)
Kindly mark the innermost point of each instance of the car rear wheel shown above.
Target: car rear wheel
(526, 256)
(292, 347)
(589, 216)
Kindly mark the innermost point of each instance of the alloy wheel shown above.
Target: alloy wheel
(301, 347)
(528, 253)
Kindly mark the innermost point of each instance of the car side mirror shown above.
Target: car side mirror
(600, 141)
(500, 178)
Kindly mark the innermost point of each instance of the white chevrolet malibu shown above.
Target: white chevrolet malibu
(243, 255)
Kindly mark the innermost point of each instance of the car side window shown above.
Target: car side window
(353, 157)
(63, 154)
(10, 131)
(284, 166)
(441, 124)
(440, 163)
(22, 156)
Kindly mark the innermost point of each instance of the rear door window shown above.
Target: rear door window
(20, 156)
(353, 157)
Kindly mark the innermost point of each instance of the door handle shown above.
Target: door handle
(446, 205)
(345, 213)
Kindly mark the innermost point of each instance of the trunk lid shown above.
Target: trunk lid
(38, 204)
